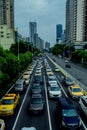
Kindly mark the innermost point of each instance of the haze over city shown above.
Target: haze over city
(45, 12)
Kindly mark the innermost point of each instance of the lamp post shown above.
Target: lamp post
(18, 49)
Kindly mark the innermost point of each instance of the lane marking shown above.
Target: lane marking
(21, 106)
(49, 118)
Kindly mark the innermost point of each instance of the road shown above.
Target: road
(46, 121)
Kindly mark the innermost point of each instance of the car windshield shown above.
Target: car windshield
(36, 100)
(18, 85)
(36, 87)
(7, 102)
(76, 90)
(69, 112)
(69, 80)
(54, 89)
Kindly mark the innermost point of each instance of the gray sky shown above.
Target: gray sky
(47, 13)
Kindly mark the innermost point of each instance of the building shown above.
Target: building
(47, 46)
(58, 32)
(33, 32)
(76, 25)
(40, 44)
(7, 23)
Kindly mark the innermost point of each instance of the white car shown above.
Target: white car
(66, 61)
(52, 80)
(54, 92)
(28, 128)
(83, 104)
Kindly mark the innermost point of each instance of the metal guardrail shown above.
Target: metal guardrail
(83, 87)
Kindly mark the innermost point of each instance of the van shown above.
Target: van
(20, 85)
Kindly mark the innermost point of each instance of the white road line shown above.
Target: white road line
(21, 106)
(49, 118)
(85, 128)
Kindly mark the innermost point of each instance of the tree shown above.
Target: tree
(20, 46)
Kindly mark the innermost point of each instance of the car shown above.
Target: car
(56, 69)
(67, 81)
(8, 103)
(36, 105)
(75, 91)
(2, 124)
(38, 79)
(26, 78)
(66, 61)
(68, 65)
(83, 104)
(67, 114)
(36, 88)
(20, 85)
(54, 92)
(28, 128)
(52, 80)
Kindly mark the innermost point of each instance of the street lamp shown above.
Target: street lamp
(18, 49)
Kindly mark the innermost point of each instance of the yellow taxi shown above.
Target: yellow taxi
(75, 91)
(49, 73)
(2, 124)
(8, 104)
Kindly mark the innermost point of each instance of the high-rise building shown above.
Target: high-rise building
(33, 32)
(47, 46)
(76, 17)
(7, 23)
(58, 32)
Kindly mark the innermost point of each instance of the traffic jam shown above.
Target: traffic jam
(44, 98)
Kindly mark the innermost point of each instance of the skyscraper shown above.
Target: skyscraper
(7, 23)
(33, 32)
(58, 32)
(76, 17)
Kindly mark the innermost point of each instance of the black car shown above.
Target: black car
(38, 79)
(67, 115)
(36, 105)
(68, 81)
(36, 88)
(68, 65)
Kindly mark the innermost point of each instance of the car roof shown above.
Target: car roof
(28, 128)
(9, 96)
(75, 86)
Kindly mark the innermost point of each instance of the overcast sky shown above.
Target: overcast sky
(47, 13)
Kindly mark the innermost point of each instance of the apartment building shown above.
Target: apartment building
(6, 23)
(76, 17)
